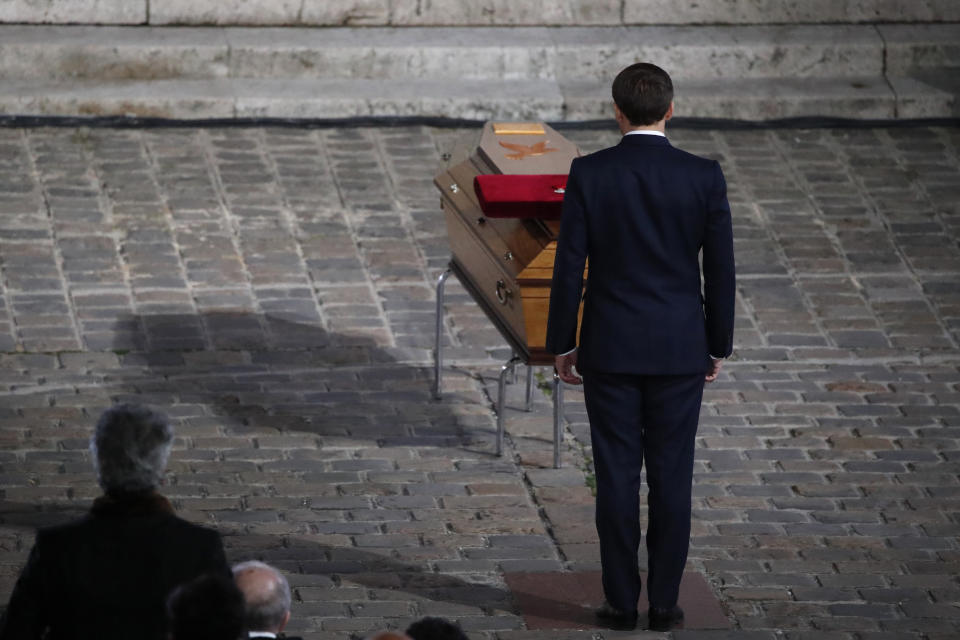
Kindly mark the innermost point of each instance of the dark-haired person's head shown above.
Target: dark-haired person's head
(435, 629)
(209, 607)
(643, 93)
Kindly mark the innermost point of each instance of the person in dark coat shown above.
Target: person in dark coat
(433, 628)
(209, 607)
(107, 575)
(650, 218)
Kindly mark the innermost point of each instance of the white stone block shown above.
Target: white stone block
(921, 98)
(345, 12)
(111, 53)
(345, 98)
(299, 99)
(570, 53)
(389, 54)
(529, 100)
(476, 12)
(906, 10)
(317, 53)
(912, 47)
(788, 11)
(225, 12)
(751, 99)
(74, 11)
(725, 52)
(864, 98)
(584, 100)
(505, 12)
(160, 99)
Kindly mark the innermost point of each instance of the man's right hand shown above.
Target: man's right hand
(714, 371)
(564, 365)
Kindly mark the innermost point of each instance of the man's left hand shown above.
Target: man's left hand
(564, 365)
(715, 364)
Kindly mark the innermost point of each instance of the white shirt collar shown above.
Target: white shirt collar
(645, 132)
(261, 634)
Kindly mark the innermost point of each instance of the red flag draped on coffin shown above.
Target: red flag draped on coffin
(521, 196)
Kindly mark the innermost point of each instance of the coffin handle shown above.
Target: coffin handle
(503, 293)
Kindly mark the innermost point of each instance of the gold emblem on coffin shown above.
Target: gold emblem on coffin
(518, 128)
(522, 151)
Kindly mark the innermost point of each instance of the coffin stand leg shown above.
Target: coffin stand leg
(509, 367)
(438, 345)
(557, 419)
(513, 372)
(529, 402)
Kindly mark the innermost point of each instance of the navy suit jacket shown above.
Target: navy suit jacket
(642, 212)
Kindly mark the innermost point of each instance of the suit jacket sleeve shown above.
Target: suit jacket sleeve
(26, 616)
(719, 278)
(567, 288)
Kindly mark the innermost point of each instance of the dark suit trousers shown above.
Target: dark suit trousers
(636, 419)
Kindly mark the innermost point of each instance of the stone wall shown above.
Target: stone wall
(474, 12)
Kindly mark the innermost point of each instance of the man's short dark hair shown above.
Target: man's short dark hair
(209, 607)
(435, 629)
(643, 91)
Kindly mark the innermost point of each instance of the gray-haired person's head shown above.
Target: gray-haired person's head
(266, 593)
(130, 448)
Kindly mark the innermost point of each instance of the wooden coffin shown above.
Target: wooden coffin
(506, 263)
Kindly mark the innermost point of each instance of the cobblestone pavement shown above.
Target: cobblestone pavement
(273, 290)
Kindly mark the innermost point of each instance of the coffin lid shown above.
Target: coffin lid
(526, 153)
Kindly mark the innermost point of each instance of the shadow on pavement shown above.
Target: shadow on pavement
(261, 371)
(285, 428)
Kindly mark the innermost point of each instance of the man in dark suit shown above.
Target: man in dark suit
(643, 212)
(107, 576)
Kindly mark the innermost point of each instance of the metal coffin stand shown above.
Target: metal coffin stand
(508, 368)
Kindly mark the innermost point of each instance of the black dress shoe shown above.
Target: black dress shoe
(613, 618)
(664, 619)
